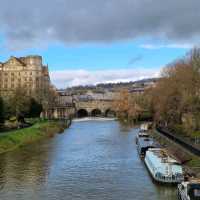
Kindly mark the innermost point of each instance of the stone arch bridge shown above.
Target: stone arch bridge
(79, 109)
(94, 108)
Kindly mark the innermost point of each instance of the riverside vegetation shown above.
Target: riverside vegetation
(176, 97)
(20, 122)
(14, 109)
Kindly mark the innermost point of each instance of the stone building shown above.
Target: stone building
(64, 98)
(28, 73)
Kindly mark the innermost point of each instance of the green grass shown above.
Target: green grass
(195, 162)
(17, 138)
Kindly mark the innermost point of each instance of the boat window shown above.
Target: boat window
(194, 193)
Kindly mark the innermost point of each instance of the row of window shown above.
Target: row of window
(19, 73)
(6, 86)
(19, 79)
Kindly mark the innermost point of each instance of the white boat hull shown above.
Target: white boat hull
(181, 194)
(167, 179)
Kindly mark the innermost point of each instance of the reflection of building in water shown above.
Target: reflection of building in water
(17, 168)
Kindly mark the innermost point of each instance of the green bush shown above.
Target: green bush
(178, 128)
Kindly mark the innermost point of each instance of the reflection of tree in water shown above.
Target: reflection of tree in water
(27, 166)
(166, 192)
(125, 127)
(2, 172)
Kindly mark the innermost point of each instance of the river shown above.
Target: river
(94, 160)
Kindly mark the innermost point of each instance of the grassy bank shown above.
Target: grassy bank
(14, 139)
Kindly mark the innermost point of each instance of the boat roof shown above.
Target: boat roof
(161, 159)
(143, 133)
(147, 142)
(161, 152)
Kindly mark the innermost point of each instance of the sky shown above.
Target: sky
(87, 42)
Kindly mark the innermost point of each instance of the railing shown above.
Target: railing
(187, 145)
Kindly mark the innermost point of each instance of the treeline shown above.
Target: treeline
(176, 97)
(133, 107)
(174, 101)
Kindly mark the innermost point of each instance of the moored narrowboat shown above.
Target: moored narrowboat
(141, 134)
(145, 126)
(162, 167)
(143, 144)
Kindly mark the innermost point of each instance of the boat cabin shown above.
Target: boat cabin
(163, 167)
(144, 143)
(146, 126)
(142, 134)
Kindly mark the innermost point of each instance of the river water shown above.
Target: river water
(94, 160)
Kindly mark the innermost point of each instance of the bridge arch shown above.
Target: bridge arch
(82, 113)
(110, 113)
(96, 112)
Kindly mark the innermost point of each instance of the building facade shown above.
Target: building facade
(64, 98)
(27, 73)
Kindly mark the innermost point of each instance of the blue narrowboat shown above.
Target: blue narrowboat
(143, 144)
(141, 134)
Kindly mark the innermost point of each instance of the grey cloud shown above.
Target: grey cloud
(34, 22)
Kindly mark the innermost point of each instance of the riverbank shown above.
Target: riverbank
(45, 129)
(190, 161)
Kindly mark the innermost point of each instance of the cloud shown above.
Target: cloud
(168, 46)
(28, 23)
(67, 78)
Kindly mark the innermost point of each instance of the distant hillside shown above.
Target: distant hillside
(127, 84)
(111, 86)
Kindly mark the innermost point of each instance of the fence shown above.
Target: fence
(187, 145)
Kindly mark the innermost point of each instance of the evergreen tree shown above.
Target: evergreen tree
(35, 108)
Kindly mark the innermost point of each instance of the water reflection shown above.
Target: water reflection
(91, 160)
